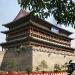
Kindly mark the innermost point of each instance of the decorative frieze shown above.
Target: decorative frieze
(52, 38)
(52, 50)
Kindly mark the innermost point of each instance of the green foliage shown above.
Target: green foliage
(57, 68)
(12, 65)
(62, 10)
(28, 69)
(64, 67)
(43, 65)
(37, 69)
(9, 66)
(4, 66)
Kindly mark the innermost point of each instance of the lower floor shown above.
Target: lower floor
(35, 58)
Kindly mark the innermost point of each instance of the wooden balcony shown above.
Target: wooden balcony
(51, 38)
(17, 37)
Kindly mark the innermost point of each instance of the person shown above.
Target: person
(71, 67)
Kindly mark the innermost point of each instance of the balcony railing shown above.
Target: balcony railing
(17, 37)
(50, 38)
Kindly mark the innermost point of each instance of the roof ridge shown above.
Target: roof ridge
(21, 14)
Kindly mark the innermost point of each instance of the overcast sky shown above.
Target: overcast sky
(8, 11)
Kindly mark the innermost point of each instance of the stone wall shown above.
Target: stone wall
(18, 61)
(1, 56)
(32, 57)
(51, 57)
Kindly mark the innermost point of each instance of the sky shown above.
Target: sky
(8, 11)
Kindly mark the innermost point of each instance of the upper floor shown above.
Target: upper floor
(35, 27)
(23, 17)
(39, 34)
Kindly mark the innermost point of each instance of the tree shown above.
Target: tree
(64, 67)
(57, 68)
(37, 69)
(62, 10)
(28, 69)
(43, 65)
(12, 66)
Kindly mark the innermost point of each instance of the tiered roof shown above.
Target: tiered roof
(23, 15)
(28, 17)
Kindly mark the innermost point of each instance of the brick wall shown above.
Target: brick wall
(21, 60)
